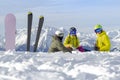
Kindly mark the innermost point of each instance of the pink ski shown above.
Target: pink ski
(10, 28)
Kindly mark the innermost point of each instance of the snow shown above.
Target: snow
(41, 65)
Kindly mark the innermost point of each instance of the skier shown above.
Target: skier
(102, 41)
(57, 44)
(72, 42)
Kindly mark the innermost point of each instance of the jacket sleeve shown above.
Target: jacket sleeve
(106, 44)
(61, 47)
(67, 42)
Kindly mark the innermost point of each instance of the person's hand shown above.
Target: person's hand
(73, 48)
(70, 48)
(96, 48)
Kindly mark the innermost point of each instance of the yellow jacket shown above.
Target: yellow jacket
(103, 42)
(71, 41)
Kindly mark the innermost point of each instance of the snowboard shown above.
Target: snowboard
(10, 29)
(40, 24)
(30, 16)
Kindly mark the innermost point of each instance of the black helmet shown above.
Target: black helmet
(72, 29)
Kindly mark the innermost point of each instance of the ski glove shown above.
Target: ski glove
(96, 48)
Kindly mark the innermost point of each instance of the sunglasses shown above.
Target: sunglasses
(98, 30)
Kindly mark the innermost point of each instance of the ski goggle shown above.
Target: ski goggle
(72, 32)
(61, 35)
(98, 30)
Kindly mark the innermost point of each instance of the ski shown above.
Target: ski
(40, 24)
(30, 16)
(10, 29)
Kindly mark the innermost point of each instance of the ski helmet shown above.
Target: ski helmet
(73, 31)
(98, 28)
(59, 33)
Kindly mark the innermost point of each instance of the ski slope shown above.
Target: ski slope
(41, 65)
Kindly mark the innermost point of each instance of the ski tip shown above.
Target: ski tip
(41, 16)
(29, 13)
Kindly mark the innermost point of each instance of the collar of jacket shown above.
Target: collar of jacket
(101, 34)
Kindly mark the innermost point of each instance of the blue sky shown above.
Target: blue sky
(83, 14)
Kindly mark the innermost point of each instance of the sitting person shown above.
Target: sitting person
(72, 41)
(57, 44)
(103, 41)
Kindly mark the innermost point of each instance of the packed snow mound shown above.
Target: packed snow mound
(59, 66)
(115, 35)
(115, 40)
(87, 40)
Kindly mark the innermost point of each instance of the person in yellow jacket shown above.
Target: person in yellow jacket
(71, 41)
(102, 41)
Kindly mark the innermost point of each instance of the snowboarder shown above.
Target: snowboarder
(102, 41)
(57, 44)
(72, 42)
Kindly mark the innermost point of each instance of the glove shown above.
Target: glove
(70, 48)
(96, 48)
(73, 48)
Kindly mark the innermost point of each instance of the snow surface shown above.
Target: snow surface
(41, 65)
